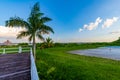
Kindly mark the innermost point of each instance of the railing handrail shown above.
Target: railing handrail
(19, 50)
(15, 47)
(9, 48)
(34, 74)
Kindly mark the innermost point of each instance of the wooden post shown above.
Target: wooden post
(3, 50)
(30, 50)
(20, 49)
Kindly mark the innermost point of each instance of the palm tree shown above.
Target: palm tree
(48, 42)
(34, 26)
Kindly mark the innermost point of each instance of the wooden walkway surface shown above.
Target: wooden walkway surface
(15, 66)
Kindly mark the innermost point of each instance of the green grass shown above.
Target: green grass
(57, 64)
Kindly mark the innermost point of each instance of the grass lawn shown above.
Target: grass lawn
(57, 64)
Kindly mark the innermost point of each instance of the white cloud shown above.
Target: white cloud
(108, 22)
(93, 25)
(9, 32)
(80, 30)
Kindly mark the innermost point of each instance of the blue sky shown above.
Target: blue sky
(73, 20)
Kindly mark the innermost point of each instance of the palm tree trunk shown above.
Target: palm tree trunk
(34, 47)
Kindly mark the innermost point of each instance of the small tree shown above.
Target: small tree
(47, 43)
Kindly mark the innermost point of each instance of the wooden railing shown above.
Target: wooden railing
(34, 74)
(14, 50)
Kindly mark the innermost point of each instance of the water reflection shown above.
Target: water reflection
(112, 52)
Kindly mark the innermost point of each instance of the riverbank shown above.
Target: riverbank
(56, 64)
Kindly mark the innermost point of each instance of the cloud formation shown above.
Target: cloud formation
(80, 30)
(93, 25)
(108, 22)
(9, 32)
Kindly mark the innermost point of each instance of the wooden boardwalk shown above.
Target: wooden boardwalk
(15, 66)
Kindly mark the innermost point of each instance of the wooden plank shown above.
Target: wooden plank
(15, 66)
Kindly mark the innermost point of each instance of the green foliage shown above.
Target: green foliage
(23, 44)
(117, 42)
(38, 45)
(47, 43)
(58, 44)
(8, 46)
(57, 64)
(81, 44)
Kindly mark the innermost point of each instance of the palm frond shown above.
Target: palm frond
(35, 12)
(40, 36)
(45, 19)
(46, 28)
(17, 22)
(35, 8)
(23, 34)
(30, 38)
(43, 31)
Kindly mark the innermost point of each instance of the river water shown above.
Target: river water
(111, 52)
